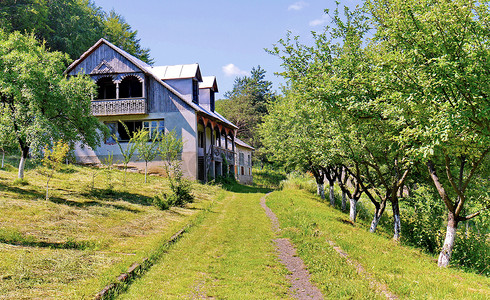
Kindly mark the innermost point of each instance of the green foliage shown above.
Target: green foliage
(146, 146)
(39, 103)
(170, 148)
(53, 160)
(246, 105)
(299, 180)
(128, 151)
(423, 225)
(70, 26)
(118, 32)
(268, 177)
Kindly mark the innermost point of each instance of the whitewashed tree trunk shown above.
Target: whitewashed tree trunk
(378, 212)
(332, 195)
(447, 248)
(353, 209)
(146, 170)
(344, 201)
(3, 158)
(320, 190)
(374, 223)
(396, 220)
(22, 165)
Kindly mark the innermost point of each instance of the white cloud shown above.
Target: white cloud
(318, 22)
(298, 5)
(232, 70)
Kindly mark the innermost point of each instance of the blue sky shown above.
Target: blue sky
(226, 38)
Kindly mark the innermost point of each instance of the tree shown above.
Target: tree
(40, 104)
(436, 56)
(53, 160)
(128, 151)
(246, 105)
(120, 34)
(69, 26)
(147, 146)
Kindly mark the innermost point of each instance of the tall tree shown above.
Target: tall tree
(70, 26)
(246, 104)
(436, 59)
(40, 104)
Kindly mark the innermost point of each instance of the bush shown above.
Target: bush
(179, 196)
(472, 252)
(20, 181)
(268, 177)
(297, 180)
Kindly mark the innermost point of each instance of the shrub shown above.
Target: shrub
(299, 181)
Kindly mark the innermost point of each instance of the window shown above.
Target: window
(106, 88)
(241, 159)
(119, 130)
(195, 91)
(112, 126)
(248, 161)
(130, 87)
(155, 127)
(211, 100)
(243, 172)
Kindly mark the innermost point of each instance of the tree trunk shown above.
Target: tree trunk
(22, 163)
(3, 158)
(332, 195)
(396, 220)
(146, 169)
(447, 248)
(47, 186)
(344, 201)
(320, 190)
(353, 209)
(378, 212)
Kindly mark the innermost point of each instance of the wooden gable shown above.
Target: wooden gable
(104, 60)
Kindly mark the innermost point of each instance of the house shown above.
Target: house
(243, 162)
(159, 99)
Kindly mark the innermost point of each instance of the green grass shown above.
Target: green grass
(81, 239)
(408, 272)
(229, 256)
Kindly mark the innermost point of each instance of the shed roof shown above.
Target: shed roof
(241, 143)
(177, 72)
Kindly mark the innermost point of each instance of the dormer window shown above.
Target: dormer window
(195, 91)
(106, 88)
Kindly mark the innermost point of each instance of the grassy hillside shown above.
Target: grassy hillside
(406, 271)
(72, 245)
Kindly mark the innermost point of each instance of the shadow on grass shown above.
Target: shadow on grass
(245, 189)
(21, 191)
(27, 242)
(90, 204)
(108, 194)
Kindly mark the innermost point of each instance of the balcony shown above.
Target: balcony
(219, 153)
(119, 107)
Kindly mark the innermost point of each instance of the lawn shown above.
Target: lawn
(229, 256)
(406, 271)
(75, 243)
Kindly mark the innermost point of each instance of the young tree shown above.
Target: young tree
(128, 151)
(147, 146)
(53, 160)
(40, 104)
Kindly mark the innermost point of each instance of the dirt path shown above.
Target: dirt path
(301, 287)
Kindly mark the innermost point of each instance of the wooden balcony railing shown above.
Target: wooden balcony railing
(219, 153)
(119, 107)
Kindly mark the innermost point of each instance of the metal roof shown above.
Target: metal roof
(209, 82)
(241, 143)
(177, 72)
